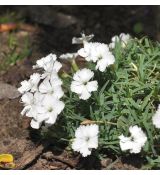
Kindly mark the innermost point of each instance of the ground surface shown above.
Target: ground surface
(47, 33)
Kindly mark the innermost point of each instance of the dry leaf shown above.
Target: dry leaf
(7, 27)
(87, 122)
(13, 26)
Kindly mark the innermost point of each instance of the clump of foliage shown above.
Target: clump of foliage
(117, 113)
(12, 54)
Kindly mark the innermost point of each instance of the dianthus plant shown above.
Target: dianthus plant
(102, 98)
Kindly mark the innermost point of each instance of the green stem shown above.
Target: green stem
(67, 140)
(74, 65)
(65, 75)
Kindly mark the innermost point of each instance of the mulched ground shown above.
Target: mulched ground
(54, 35)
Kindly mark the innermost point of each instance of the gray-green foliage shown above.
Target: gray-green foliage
(128, 95)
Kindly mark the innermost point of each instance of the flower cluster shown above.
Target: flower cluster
(42, 92)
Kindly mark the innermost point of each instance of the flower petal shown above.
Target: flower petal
(92, 86)
(85, 94)
(35, 124)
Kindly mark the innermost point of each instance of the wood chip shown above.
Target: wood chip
(29, 156)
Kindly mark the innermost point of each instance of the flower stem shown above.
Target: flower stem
(65, 75)
(74, 65)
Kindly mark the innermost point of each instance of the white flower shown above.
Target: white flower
(52, 87)
(31, 84)
(81, 84)
(48, 111)
(68, 56)
(31, 102)
(105, 57)
(86, 138)
(156, 118)
(49, 64)
(114, 40)
(122, 38)
(88, 51)
(82, 39)
(135, 142)
(97, 52)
